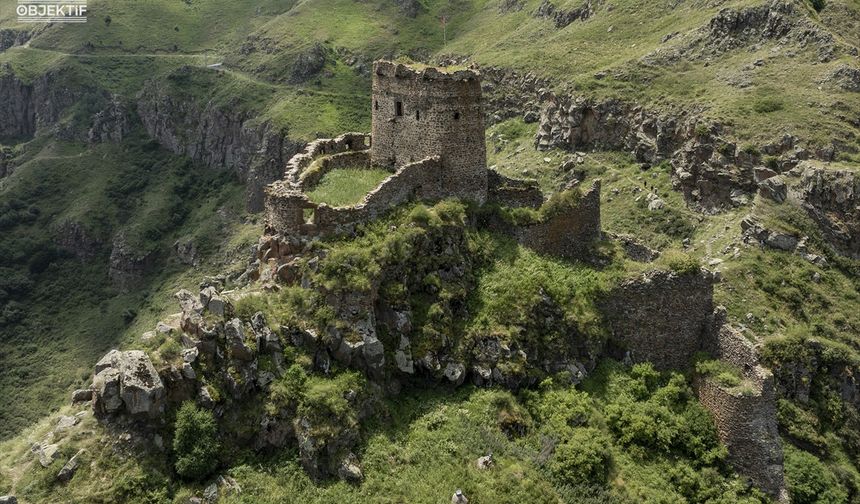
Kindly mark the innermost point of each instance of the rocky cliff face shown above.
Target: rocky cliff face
(832, 199)
(217, 137)
(28, 107)
(11, 38)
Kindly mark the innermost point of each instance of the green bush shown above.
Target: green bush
(195, 442)
(722, 372)
(559, 203)
(680, 262)
(583, 459)
(809, 481)
(290, 389)
(768, 105)
(818, 5)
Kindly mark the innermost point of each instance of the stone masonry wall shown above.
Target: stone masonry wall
(285, 205)
(297, 165)
(746, 420)
(510, 192)
(419, 180)
(570, 233)
(663, 317)
(417, 114)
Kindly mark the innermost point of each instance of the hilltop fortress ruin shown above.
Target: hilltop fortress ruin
(428, 132)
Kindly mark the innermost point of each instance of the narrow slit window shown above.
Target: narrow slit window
(456, 116)
(375, 105)
(398, 108)
(417, 115)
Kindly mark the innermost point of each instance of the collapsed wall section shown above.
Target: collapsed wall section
(663, 317)
(568, 232)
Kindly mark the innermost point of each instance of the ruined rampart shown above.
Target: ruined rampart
(569, 232)
(745, 416)
(663, 317)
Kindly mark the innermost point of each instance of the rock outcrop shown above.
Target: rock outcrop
(216, 136)
(562, 17)
(832, 198)
(26, 107)
(73, 237)
(127, 264)
(110, 124)
(127, 383)
(11, 38)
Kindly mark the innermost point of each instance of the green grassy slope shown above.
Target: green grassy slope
(60, 312)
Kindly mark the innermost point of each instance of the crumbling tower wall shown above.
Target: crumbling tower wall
(419, 113)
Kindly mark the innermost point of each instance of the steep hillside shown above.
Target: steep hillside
(134, 153)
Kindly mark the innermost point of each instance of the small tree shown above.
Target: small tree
(195, 442)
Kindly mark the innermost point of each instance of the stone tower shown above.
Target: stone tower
(419, 113)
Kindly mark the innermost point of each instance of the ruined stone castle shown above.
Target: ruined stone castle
(428, 132)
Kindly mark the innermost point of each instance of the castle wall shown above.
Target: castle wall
(284, 207)
(297, 165)
(570, 233)
(513, 193)
(746, 421)
(419, 180)
(438, 114)
(662, 317)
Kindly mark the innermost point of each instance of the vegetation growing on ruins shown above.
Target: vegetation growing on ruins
(626, 434)
(346, 187)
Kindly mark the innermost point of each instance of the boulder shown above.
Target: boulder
(455, 373)
(69, 469)
(459, 497)
(106, 396)
(656, 204)
(47, 454)
(210, 494)
(82, 395)
(485, 462)
(140, 387)
(8, 499)
(403, 356)
(349, 471)
(127, 380)
(762, 173)
(235, 334)
(66, 422)
(374, 353)
(781, 241)
(774, 188)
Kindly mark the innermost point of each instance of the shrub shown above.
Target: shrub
(722, 372)
(750, 149)
(583, 459)
(810, 481)
(558, 203)
(290, 389)
(420, 215)
(680, 262)
(771, 162)
(768, 105)
(818, 5)
(195, 442)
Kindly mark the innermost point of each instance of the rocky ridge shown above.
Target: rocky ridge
(217, 137)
